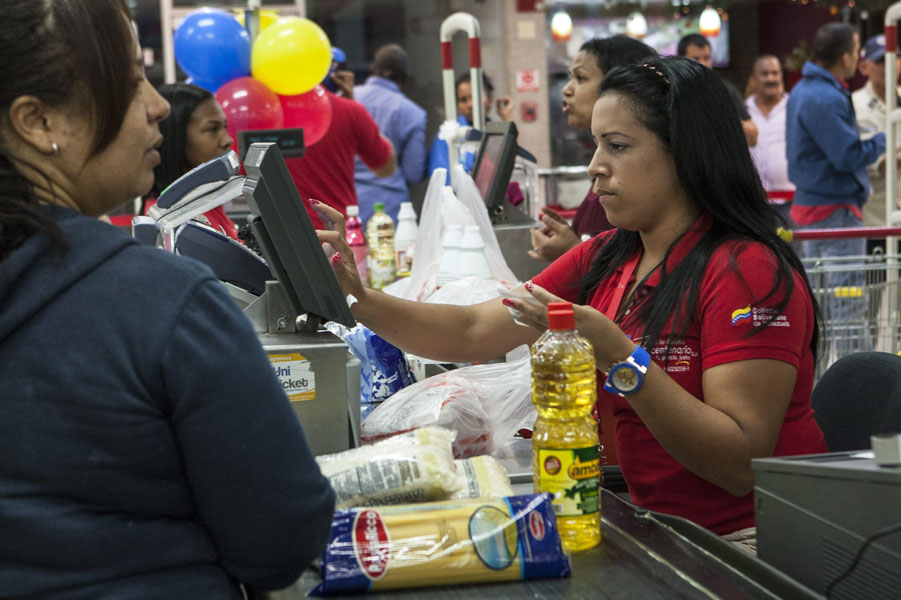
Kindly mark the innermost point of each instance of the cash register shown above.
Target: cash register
(286, 293)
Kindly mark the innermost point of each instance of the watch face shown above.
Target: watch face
(625, 379)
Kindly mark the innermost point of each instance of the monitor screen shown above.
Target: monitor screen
(494, 163)
(285, 234)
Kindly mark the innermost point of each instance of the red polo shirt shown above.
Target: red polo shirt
(732, 299)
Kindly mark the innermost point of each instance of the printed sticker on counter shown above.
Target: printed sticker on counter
(295, 375)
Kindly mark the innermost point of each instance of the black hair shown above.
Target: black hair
(390, 62)
(67, 53)
(486, 83)
(831, 42)
(687, 107)
(183, 99)
(692, 39)
(617, 50)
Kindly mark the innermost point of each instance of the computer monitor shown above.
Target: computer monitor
(290, 141)
(494, 162)
(286, 236)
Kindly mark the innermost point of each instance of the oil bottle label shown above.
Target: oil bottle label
(572, 476)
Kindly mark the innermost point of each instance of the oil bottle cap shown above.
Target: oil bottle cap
(353, 210)
(378, 206)
(561, 319)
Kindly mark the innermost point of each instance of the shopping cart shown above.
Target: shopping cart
(858, 295)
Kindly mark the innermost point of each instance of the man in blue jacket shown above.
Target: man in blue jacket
(400, 120)
(827, 162)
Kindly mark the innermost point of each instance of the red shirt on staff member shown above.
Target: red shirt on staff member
(326, 170)
(729, 305)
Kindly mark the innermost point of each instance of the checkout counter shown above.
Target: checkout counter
(285, 296)
(641, 555)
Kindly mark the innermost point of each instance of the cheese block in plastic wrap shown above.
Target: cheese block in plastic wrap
(482, 477)
(442, 543)
(411, 467)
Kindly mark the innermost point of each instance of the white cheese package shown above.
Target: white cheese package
(411, 467)
(442, 543)
(482, 477)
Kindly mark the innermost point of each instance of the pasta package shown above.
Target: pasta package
(410, 467)
(442, 543)
(482, 477)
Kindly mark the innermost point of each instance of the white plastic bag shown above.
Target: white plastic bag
(467, 192)
(442, 207)
(484, 404)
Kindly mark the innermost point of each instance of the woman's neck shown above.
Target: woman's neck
(657, 241)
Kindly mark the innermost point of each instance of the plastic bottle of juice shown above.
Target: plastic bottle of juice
(405, 239)
(565, 453)
(357, 241)
(380, 236)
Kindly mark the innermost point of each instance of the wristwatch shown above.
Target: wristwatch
(627, 376)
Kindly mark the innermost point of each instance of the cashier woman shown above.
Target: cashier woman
(146, 448)
(693, 293)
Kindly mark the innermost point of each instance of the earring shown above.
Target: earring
(55, 147)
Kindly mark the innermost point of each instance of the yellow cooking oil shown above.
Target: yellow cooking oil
(565, 452)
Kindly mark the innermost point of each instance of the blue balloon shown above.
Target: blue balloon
(210, 86)
(212, 48)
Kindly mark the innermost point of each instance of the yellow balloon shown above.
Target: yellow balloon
(267, 18)
(291, 57)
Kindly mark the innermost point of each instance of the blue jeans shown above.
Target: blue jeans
(840, 285)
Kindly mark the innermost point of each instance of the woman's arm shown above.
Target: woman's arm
(740, 419)
(437, 331)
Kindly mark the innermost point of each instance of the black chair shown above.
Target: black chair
(858, 395)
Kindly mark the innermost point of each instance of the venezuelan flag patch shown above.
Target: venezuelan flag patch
(741, 314)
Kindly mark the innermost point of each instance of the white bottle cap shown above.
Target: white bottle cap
(352, 210)
(472, 237)
(406, 211)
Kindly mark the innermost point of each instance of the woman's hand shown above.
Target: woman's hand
(341, 257)
(554, 239)
(611, 345)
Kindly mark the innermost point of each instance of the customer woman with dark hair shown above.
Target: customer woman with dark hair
(147, 449)
(195, 131)
(693, 295)
(595, 58)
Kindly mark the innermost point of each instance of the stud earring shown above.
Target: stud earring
(55, 147)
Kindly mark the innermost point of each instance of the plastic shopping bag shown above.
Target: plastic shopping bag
(484, 404)
(467, 192)
(383, 366)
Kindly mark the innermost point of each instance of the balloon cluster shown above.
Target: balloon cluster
(269, 83)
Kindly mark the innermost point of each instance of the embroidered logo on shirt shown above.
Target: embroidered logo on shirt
(741, 314)
(758, 317)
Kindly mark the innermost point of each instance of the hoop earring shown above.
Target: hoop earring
(55, 147)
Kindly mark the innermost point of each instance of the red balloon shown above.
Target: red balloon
(248, 104)
(311, 110)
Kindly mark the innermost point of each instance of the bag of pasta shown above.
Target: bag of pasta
(442, 543)
(482, 477)
(411, 467)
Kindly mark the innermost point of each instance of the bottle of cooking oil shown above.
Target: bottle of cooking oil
(380, 238)
(565, 453)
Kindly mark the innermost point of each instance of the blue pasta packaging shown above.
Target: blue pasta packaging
(442, 543)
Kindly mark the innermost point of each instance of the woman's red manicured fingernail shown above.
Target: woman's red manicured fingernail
(508, 302)
(336, 259)
(528, 286)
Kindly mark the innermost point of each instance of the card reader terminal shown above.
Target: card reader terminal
(200, 180)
